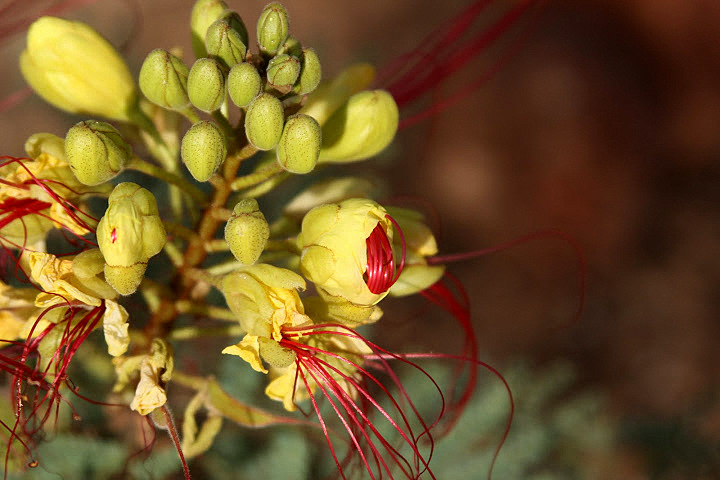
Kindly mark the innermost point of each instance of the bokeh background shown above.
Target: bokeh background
(604, 124)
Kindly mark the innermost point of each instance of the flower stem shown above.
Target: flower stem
(148, 168)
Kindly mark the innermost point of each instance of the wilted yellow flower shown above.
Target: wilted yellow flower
(75, 69)
(334, 248)
(155, 370)
(16, 307)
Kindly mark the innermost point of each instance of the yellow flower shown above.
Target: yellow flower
(265, 300)
(63, 282)
(75, 69)
(352, 349)
(16, 307)
(334, 248)
(30, 194)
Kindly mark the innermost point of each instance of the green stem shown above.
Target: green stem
(190, 114)
(149, 169)
(191, 333)
(186, 306)
(224, 124)
(260, 175)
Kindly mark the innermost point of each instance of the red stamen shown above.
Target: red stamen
(380, 273)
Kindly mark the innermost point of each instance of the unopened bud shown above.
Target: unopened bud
(163, 80)
(361, 128)
(282, 72)
(310, 74)
(96, 152)
(243, 83)
(204, 13)
(272, 28)
(225, 43)
(291, 47)
(299, 145)
(203, 150)
(329, 96)
(206, 85)
(264, 121)
(247, 231)
(129, 234)
(74, 68)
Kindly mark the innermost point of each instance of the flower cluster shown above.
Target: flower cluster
(296, 288)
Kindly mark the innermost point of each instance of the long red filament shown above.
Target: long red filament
(381, 273)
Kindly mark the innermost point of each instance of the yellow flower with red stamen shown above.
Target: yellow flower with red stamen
(265, 300)
(335, 248)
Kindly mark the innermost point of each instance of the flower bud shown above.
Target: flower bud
(330, 96)
(272, 28)
(264, 121)
(299, 145)
(291, 46)
(282, 72)
(203, 150)
(361, 128)
(333, 240)
(225, 43)
(163, 80)
(247, 231)
(129, 233)
(206, 85)
(74, 68)
(310, 74)
(204, 13)
(243, 83)
(96, 151)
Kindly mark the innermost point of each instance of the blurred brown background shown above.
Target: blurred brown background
(605, 125)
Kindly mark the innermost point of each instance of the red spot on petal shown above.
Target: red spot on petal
(113, 235)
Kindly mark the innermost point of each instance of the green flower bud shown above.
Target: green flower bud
(310, 74)
(264, 121)
(129, 233)
(73, 67)
(163, 80)
(206, 85)
(291, 47)
(282, 72)
(237, 24)
(96, 152)
(204, 13)
(203, 150)
(272, 28)
(361, 128)
(243, 83)
(299, 145)
(225, 43)
(247, 231)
